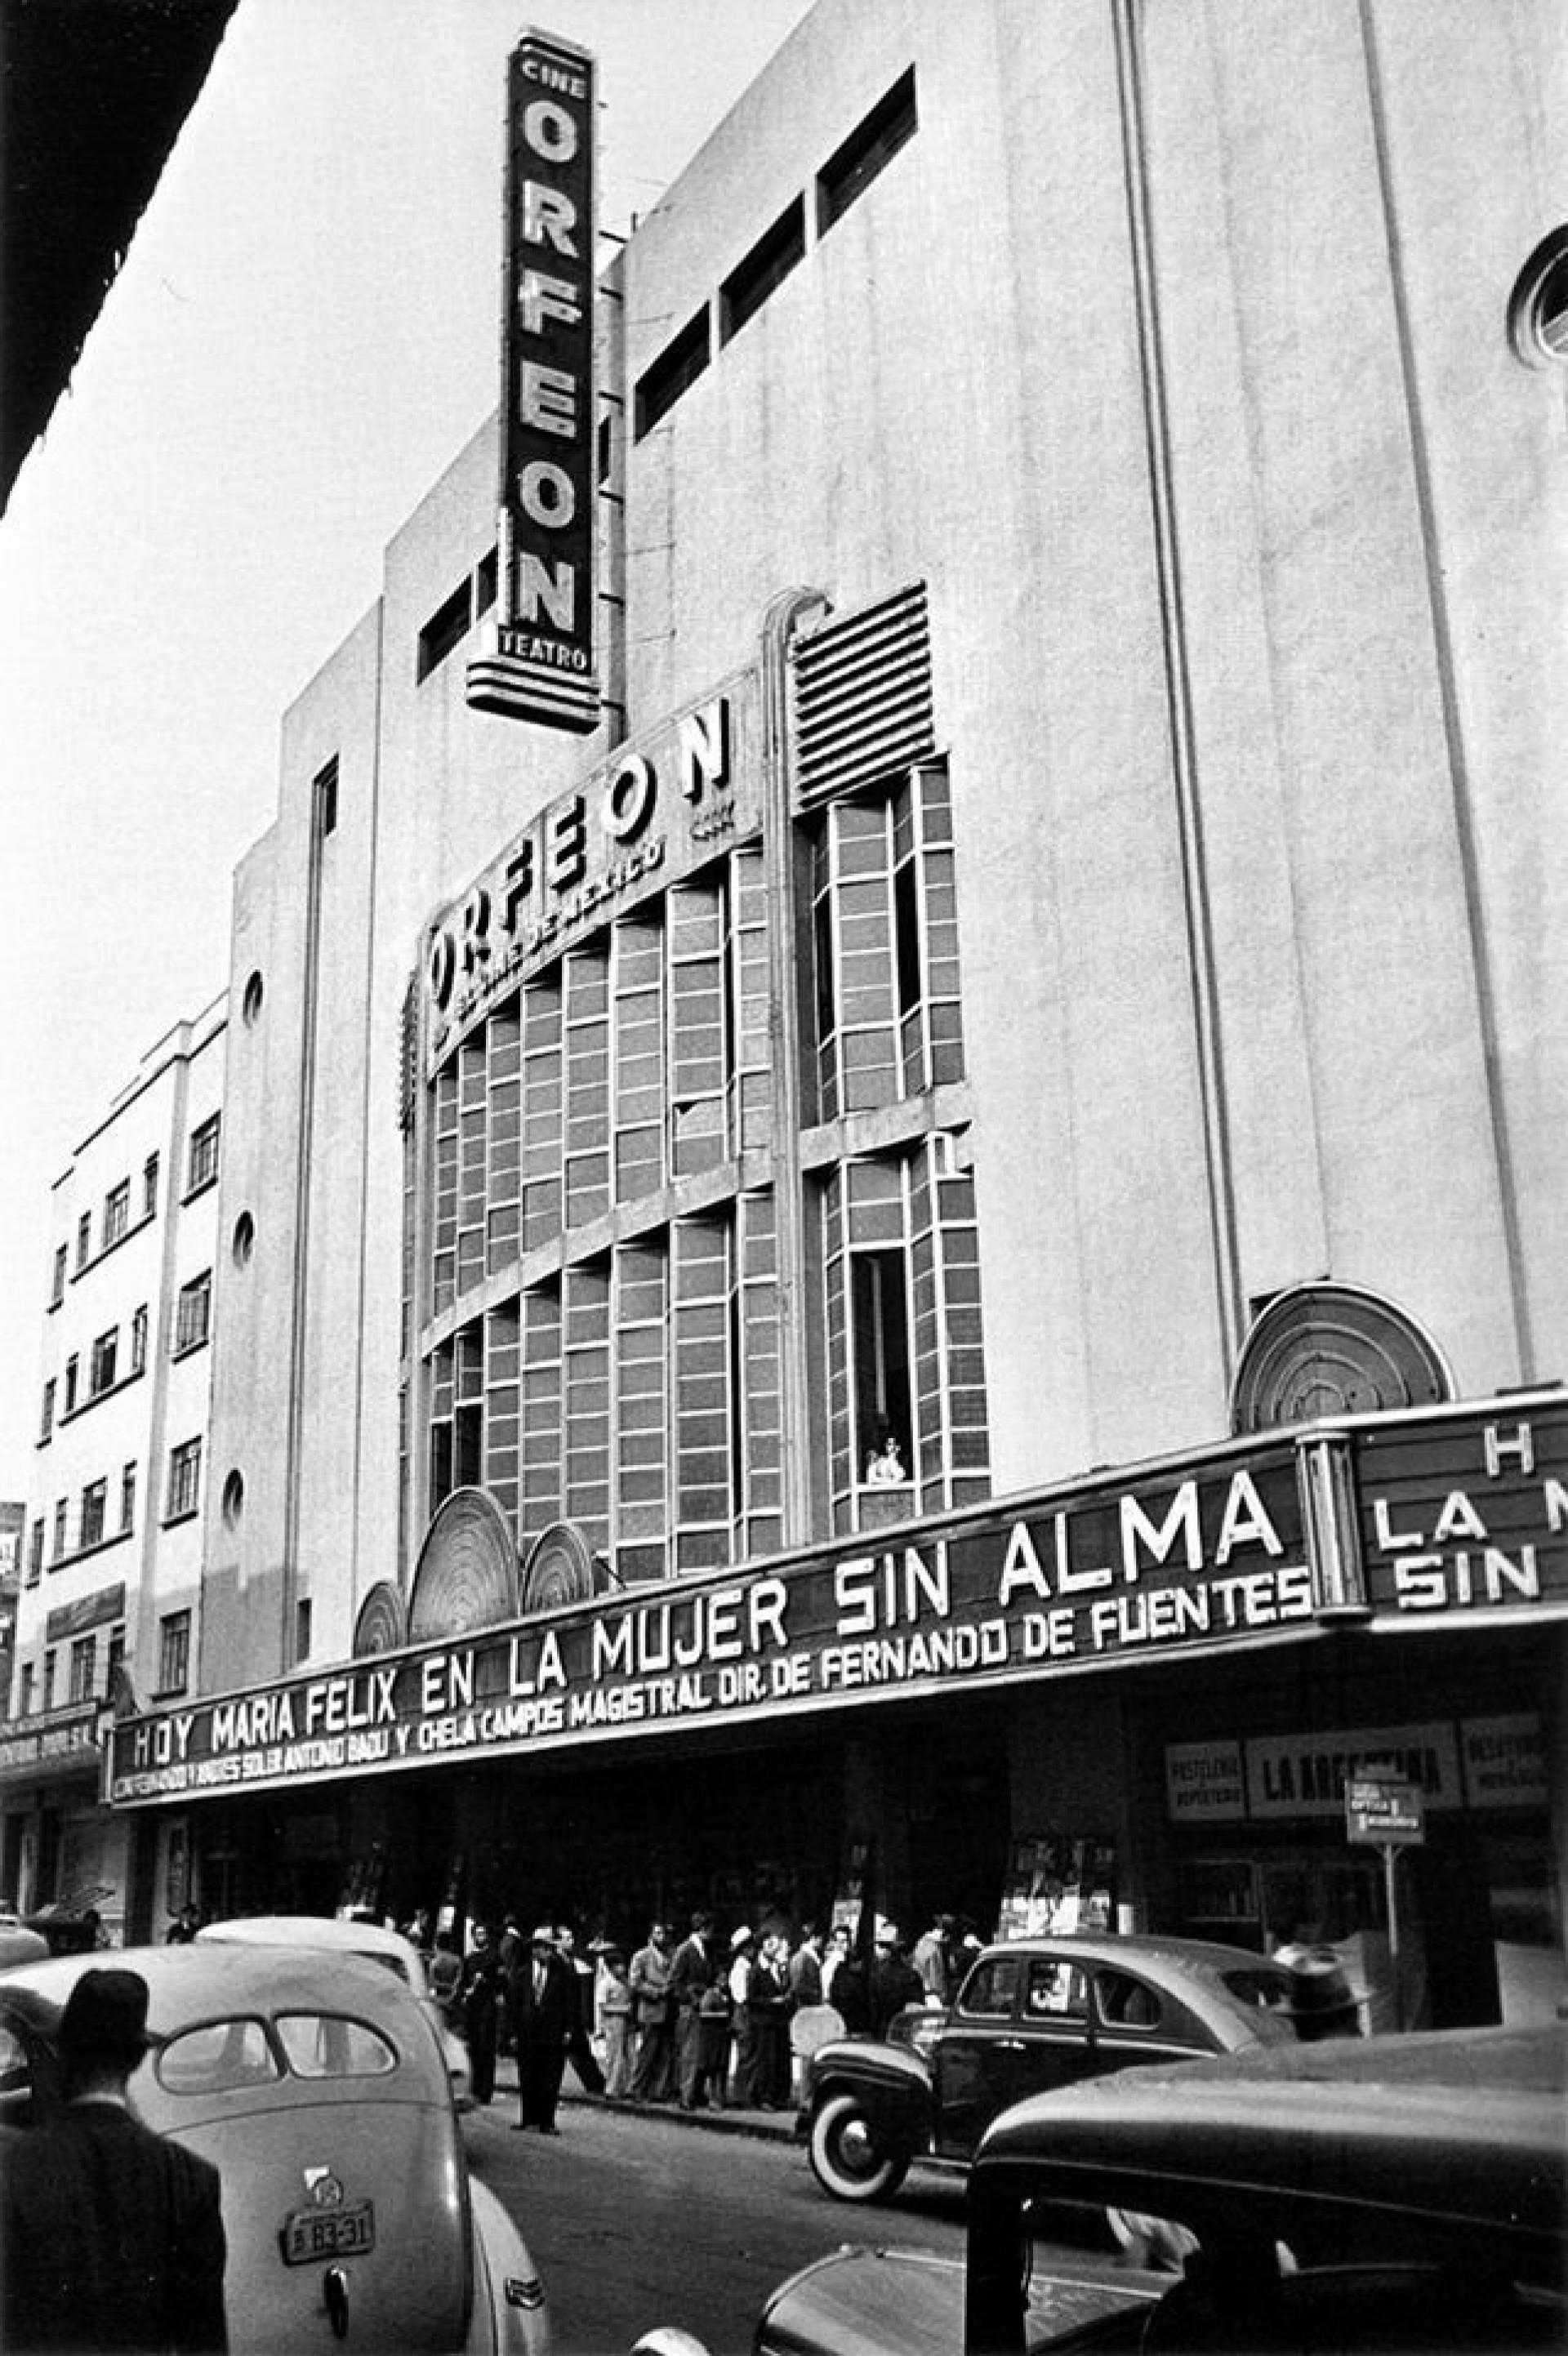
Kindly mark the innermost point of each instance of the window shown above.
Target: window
(93, 1499)
(326, 791)
(128, 1497)
(447, 629)
(48, 1698)
(194, 1313)
(59, 1528)
(203, 1168)
(184, 1480)
(1126, 2003)
(57, 1284)
(880, 1349)
(991, 1989)
(116, 1213)
(769, 263)
(106, 1350)
(72, 1369)
(678, 365)
(36, 1552)
(302, 1629)
(139, 1341)
(173, 1652)
(116, 1657)
(27, 1688)
(1057, 1991)
(84, 1240)
(867, 151)
(47, 1423)
(150, 1186)
(83, 1666)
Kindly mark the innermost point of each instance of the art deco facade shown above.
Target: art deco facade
(1054, 952)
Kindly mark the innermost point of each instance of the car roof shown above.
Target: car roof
(1146, 1947)
(324, 1931)
(1349, 2144)
(191, 1982)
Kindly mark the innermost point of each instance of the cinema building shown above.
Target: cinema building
(973, 863)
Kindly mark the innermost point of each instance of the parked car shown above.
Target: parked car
(320, 2095)
(334, 1936)
(1395, 2193)
(1030, 2014)
(18, 1944)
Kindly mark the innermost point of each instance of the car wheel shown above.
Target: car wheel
(847, 2157)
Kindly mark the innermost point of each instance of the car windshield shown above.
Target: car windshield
(218, 2055)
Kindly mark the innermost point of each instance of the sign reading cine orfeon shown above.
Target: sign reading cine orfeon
(540, 663)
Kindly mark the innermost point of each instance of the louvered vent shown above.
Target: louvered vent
(862, 699)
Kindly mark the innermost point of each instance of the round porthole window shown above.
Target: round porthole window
(233, 1500)
(251, 1003)
(1538, 312)
(244, 1239)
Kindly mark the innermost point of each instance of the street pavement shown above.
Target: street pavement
(734, 2119)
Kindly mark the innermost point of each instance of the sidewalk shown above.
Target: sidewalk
(776, 2127)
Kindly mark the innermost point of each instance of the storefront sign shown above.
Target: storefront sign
(1384, 1812)
(1505, 1761)
(67, 1740)
(1205, 1783)
(1304, 1775)
(88, 1612)
(1186, 1560)
(1466, 1512)
(1309, 1775)
(539, 664)
(646, 819)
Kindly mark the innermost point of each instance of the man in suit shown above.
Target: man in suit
(692, 1974)
(543, 2007)
(110, 2236)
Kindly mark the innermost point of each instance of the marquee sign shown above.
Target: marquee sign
(662, 809)
(1191, 1557)
(1465, 1510)
(538, 663)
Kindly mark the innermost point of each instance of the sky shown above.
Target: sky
(303, 337)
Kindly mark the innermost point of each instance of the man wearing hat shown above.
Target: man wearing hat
(110, 2236)
(543, 2007)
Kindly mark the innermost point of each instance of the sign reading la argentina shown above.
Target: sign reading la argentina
(641, 823)
(1195, 1557)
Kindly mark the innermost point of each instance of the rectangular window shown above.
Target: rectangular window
(26, 1690)
(128, 1497)
(48, 1422)
(769, 263)
(49, 1693)
(447, 629)
(72, 1369)
(327, 799)
(173, 1652)
(678, 366)
(302, 1629)
(106, 1350)
(60, 1529)
(150, 1186)
(203, 1165)
(93, 1499)
(36, 1552)
(184, 1480)
(57, 1284)
(83, 1664)
(139, 1341)
(870, 147)
(116, 1213)
(115, 1657)
(84, 1240)
(193, 1314)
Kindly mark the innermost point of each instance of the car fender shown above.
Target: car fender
(892, 2086)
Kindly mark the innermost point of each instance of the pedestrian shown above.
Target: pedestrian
(933, 1958)
(742, 1955)
(446, 1973)
(835, 1951)
(692, 1971)
(653, 2018)
(183, 1927)
(416, 1931)
(807, 1985)
(612, 2010)
(509, 1949)
(769, 2003)
(110, 2237)
(895, 1982)
(480, 1998)
(543, 2005)
(579, 2048)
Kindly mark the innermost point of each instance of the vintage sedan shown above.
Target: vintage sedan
(1031, 2014)
(320, 2095)
(1392, 2193)
(336, 1937)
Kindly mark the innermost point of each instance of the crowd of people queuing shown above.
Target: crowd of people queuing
(699, 2020)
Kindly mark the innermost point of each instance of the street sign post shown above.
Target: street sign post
(1387, 1811)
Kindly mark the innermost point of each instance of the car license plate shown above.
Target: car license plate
(310, 2234)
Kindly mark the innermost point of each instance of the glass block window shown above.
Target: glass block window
(750, 999)
(698, 1021)
(757, 1357)
(638, 1059)
(503, 1143)
(640, 1347)
(543, 1111)
(699, 1376)
(586, 1372)
(503, 1394)
(587, 1078)
(543, 1467)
